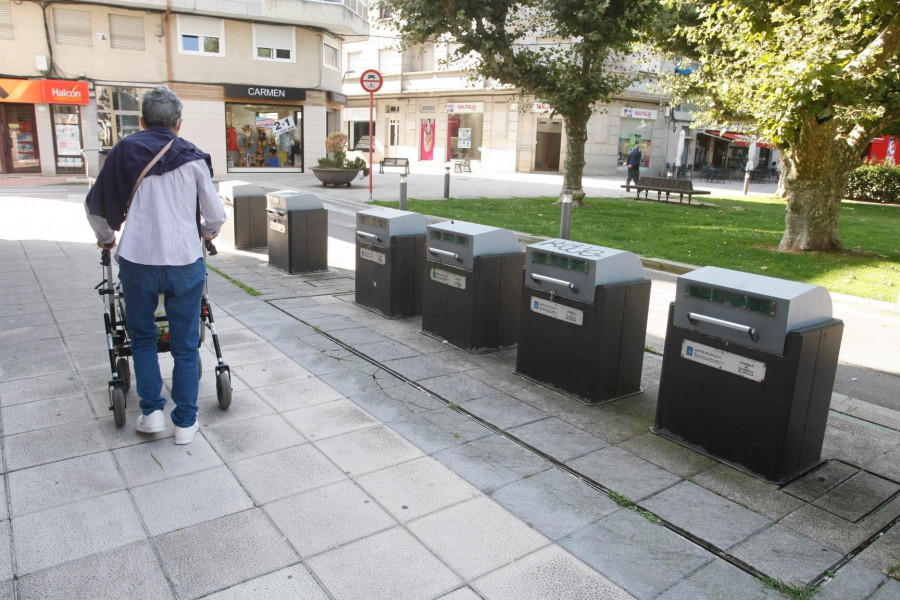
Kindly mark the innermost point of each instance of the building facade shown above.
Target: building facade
(260, 79)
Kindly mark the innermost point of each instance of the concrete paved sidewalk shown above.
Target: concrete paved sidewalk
(361, 459)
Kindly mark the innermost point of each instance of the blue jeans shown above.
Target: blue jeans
(183, 288)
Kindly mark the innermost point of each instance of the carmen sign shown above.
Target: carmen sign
(44, 91)
(264, 93)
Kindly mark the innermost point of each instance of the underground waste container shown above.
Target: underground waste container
(390, 260)
(583, 319)
(748, 370)
(245, 209)
(297, 232)
(473, 283)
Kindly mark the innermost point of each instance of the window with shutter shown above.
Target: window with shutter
(6, 25)
(198, 35)
(126, 33)
(72, 27)
(274, 43)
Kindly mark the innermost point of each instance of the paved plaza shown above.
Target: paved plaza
(362, 459)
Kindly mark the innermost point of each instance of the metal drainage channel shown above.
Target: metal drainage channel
(825, 575)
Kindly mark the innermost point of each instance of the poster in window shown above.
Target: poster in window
(426, 149)
(465, 137)
(68, 134)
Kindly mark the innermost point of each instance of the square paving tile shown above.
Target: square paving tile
(761, 497)
(6, 570)
(39, 388)
(388, 350)
(245, 404)
(330, 418)
(416, 488)
(354, 381)
(160, 459)
(664, 453)
(54, 443)
(555, 502)
(328, 517)
(250, 437)
(297, 393)
(75, 530)
(183, 501)
(269, 372)
(811, 486)
(391, 565)
(504, 411)
(855, 497)
(549, 573)
(854, 581)
(39, 414)
(558, 439)
(623, 472)
(439, 429)
(721, 581)
(396, 402)
(492, 462)
(476, 536)
(705, 514)
(46, 486)
(417, 368)
(217, 554)
(782, 554)
(130, 571)
(286, 472)
(835, 532)
(642, 557)
(458, 387)
(368, 449)
(291, 583)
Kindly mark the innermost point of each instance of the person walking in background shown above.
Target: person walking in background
(168, 207)
(633, 163)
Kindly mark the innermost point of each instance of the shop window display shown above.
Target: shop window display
(258, 136)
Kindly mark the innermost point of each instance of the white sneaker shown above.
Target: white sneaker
(185, 435)
(155, 422)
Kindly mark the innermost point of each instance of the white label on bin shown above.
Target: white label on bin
(279, 227)
(448, 278)
(369, 254)
(724, 361)
(557, 311)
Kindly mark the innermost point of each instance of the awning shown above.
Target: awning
(738, 139)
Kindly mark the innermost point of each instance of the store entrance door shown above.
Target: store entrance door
(19, 139)
(547, 148)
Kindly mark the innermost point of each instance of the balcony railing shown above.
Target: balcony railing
(360, 7)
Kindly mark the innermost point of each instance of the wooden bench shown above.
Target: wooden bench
(462, 166)
(403, 163)
(667, 186)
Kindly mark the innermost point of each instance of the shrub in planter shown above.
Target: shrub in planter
(875, 183)
(336, 145)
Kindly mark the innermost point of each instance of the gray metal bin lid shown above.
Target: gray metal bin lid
(739, 306)
(458, 242)
(574, 269)
(229, 190)
(384, 223)
(287, 200)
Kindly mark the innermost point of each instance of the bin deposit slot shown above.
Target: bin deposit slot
(751, 331)
(452, 255)
(553, 280)
(370, 236)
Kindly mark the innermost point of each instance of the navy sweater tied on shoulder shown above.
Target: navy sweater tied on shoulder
(112, 190)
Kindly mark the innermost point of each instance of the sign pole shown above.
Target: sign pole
(371, 139)
(371, 81)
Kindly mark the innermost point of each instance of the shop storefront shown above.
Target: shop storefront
(264, 129)
(465, 129)
(635, 129)
(22, 132)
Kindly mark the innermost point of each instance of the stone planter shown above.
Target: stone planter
(332, 176)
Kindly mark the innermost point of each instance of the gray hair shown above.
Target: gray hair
(161, 108)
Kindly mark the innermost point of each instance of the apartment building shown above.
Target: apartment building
(260, 79)
(432, 114)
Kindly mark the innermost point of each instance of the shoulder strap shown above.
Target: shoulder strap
(147, 170)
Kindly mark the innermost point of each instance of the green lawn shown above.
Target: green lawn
(734, 234)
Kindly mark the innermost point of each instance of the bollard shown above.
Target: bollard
(403, 192)
(447, 181)
(746, 182)
(565, 221)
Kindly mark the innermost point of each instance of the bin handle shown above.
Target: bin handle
(568, 284)
(751, 331)
(368, 235)
(452, 255)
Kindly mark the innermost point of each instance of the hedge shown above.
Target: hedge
(875, 183)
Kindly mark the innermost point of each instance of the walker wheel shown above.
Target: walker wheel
(223, 389)
(117, 401)
(124, 373)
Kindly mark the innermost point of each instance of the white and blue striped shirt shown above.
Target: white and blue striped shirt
(161, 226)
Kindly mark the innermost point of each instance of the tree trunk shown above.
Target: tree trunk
(816, 169)
(576, 138)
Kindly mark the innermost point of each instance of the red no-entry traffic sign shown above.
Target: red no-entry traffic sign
(371, 80)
